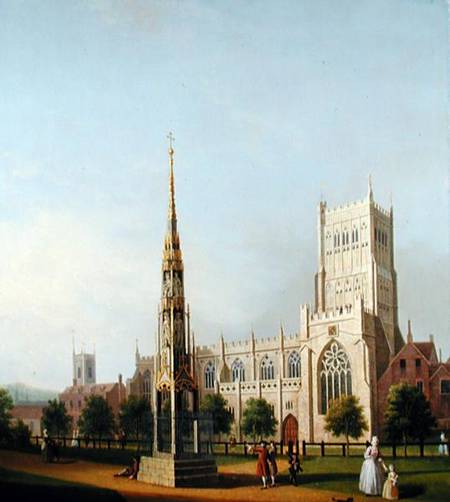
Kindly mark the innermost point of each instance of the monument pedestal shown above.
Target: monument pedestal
(165, 470)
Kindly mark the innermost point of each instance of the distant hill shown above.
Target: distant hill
(22, 393)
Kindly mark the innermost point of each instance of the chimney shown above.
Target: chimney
(120, 388)
(409, 336)
(431, 338)
(440, 355)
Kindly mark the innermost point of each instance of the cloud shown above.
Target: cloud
(62, 276)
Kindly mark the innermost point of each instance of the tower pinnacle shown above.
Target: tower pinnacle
(172, 210)
(369, 189)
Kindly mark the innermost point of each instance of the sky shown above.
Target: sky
(273, 105)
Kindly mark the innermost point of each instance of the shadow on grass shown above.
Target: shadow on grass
(70, 493)
(411, 490)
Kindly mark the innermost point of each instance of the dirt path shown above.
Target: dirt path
(101, 475)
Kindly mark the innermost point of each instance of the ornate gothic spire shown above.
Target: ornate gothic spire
(172, 216)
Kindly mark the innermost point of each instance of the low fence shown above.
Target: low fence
(323, 448)
(306, 449)
(96, 443)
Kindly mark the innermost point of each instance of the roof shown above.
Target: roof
(91, 388)
(427, 348)
(436, 367)
(27, 412)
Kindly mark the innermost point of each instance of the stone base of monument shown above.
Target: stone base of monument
(164, 470)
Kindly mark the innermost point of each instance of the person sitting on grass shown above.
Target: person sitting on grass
(130, 472)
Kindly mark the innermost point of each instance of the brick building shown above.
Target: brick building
(75, 397)
(417, 363)
(30, 414)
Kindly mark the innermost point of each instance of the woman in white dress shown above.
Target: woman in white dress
(443, 447)
(371, 477)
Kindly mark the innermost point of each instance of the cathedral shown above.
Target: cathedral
(344, 342)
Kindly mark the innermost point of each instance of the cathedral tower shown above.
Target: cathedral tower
(356, 261)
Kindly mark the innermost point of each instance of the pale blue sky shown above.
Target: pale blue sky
(272, 103)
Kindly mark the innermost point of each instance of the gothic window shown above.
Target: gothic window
(79, 372)
(335, 375)
(267, 370)
(89, 372)
(238, 371)
(356, 235)
(294, 365)
(147, 386)
(210, 375)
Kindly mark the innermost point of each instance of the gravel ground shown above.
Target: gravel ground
(239, 482)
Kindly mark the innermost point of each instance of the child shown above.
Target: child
(294, 467)
(390, 488)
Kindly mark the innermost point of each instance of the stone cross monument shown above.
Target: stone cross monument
(177, 457)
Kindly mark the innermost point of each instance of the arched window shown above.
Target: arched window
(146, 387)
(294, 365)
(210, 375)
(238, 371)
(267, 370)
(335, 375)
(356, 235)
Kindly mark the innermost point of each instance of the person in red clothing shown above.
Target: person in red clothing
(262, 465)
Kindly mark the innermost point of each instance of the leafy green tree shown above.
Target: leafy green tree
(97, 418)
(408, 414)
(216, 406)
(55, 418)
(21, 434)
(135, 418)
(6, 404)
(259, 420)
(345, 416)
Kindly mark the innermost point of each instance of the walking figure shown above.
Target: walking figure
(272, 457)
(294, 467)
(262, 465)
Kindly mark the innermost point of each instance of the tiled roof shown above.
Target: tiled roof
(427, 348)
(26, 411)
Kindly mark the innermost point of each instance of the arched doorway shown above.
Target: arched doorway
(290, 429)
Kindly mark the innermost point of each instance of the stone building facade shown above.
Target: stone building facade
(344, 343)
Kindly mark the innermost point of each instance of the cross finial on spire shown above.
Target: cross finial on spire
(171, 139)
(172, 211)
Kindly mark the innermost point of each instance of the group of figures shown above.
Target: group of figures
(372, 479)
(266, 466)
(178, 329)
(172, 288)
(49, 448)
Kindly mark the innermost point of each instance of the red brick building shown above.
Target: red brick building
(31, 416)
(75, 397)
(417, 363)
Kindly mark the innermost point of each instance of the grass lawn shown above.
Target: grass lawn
(419, 478)
(15, 485)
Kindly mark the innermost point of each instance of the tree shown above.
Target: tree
(55, 418)
(97, 418)
(345, 416)
(259, 419)
(408, 414)
(215, 405)
(21, 434)
(135, 417)
(6, 404)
